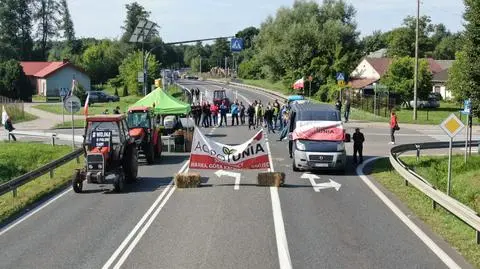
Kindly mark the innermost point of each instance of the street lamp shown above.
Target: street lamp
(142, 32)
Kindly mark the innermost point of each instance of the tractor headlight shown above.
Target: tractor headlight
(341, 146)
(90, 166)
(300, 145)
(100, 166)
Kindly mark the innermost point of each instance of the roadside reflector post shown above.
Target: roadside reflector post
(51, 173)
(478, 237)
(418, 151)
(434, 204)
(449, 182)
(14, 192)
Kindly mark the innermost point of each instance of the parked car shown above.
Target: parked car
(101, 97)
(430, 103)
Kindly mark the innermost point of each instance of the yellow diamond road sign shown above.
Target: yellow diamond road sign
(452, 125)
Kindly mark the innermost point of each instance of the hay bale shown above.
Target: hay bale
(187, 180)
(275, 179)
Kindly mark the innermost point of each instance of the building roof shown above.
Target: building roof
(380, 64)
(445, 64)
(361, 83)
(44, 69)
(381, 53)
(441, 76)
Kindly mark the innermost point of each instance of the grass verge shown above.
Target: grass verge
(17, 159)
(446, 225)
(79, 124)
(97, 108)
(17, 114)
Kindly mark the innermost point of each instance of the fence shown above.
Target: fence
(381, 105)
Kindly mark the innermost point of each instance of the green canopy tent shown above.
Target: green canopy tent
(165, 104)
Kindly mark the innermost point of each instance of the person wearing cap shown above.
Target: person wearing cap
(358, 139)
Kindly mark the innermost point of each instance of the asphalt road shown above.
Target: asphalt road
(224, 224)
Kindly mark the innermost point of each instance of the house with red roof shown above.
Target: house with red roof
(371, 70)
(50, 78)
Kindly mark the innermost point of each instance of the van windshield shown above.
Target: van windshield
(330, 115)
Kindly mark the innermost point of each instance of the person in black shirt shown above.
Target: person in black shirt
(116, 110)
(251, 117)
(269, 119)
(358, 140)
(242, 113)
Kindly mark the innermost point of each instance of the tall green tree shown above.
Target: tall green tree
(130, 67)
(135, 12)
(47, 20)
(376, 41)
(472, 52)
(458, 82)
(248, 34)
(400, 78)
(308, 39)
(16, 26)
(13, 81)
(66, 23)
(101, 61)
(448, 47)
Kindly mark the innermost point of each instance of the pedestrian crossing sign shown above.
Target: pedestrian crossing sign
(340, 77)
(236, 45)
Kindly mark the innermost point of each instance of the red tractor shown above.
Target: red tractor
(110, 153)
(142, 128)
(219, 97)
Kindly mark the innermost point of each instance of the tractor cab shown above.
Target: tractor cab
(142, 128)
(220, 96)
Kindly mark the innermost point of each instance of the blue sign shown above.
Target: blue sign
(340, 77)
(236, 45)
(467, 106)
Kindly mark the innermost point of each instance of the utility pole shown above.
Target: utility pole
(415, 85)
(226, 59)
(200, 65)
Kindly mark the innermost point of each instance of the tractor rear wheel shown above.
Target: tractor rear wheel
(150, 153)
(77, 182)
(119, 182)
(130, 163)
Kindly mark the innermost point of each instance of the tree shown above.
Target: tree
(220, 50)
(248, 34)
(13, 81)
(374, 42)
(400, 78)
(135, 12)
(400, 43)
(47, 20)
(458, 82)
(308, 39)
(133, 64)
(448, 47)
(472, 52)
(67, 23)
(101, 61)
(16, 26)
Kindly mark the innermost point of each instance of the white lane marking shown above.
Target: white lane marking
(280, 234)
(237, 183)
(24, 218)
(142, 232)
(235, 175)
(449, 262)
(140, 223)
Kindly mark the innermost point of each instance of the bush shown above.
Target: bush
(249, 70)
(125, 91)
(116, 91)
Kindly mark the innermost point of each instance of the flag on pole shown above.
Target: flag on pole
(298, 84)
(4, 115)
(85, 108)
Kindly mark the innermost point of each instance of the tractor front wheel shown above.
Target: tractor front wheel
(130, 163)
(119, 183)
(77, 182)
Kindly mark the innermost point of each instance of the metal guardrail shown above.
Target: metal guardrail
(461, 211)
(52, 136)
(13, 184)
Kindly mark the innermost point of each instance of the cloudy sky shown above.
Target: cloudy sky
(195, 19)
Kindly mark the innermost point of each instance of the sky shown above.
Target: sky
(197, 19)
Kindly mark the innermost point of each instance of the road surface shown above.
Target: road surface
(224, 224)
